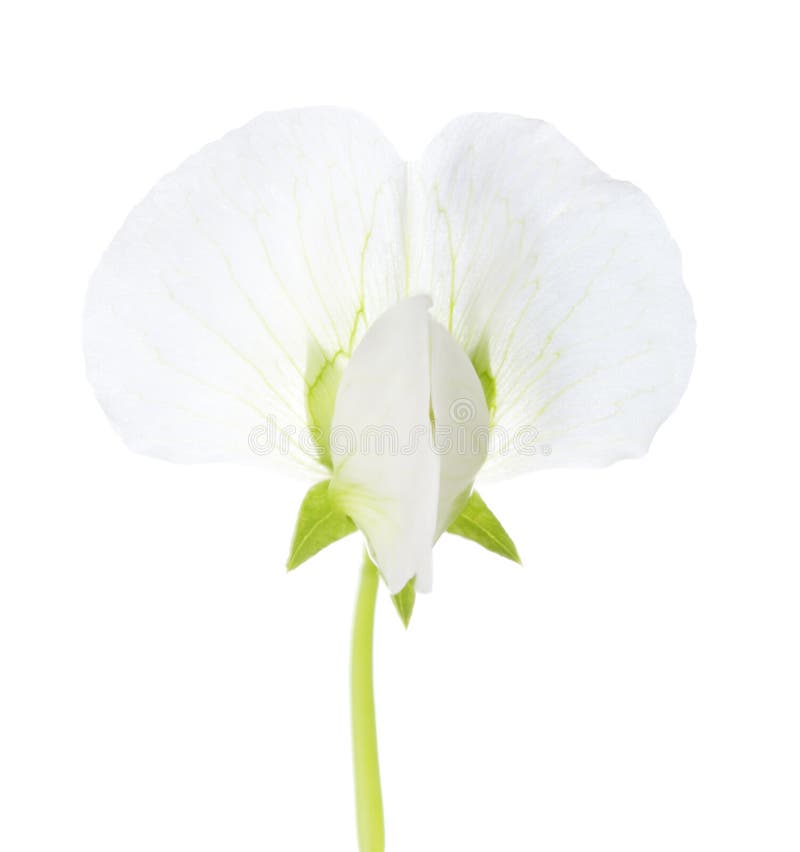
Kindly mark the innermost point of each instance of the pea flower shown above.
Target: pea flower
(295, 295)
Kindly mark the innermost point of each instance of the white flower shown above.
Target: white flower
(298, 272)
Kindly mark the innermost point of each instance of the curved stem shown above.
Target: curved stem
(369, 805)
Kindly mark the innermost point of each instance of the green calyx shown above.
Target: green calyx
(320, 523)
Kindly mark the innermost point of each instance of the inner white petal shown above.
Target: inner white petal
(461, 417)
(408, 436)
(386, 472)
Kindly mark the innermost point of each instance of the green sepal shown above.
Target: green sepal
(404, 601)
(478, 523)
(318, 525)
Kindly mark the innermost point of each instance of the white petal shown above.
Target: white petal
(386, 471)
(462, 420)
(283, 238)
(565, 281)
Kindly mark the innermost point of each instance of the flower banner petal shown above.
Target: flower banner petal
(283, 238)
(563, 283)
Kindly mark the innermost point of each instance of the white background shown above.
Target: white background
(166, 686)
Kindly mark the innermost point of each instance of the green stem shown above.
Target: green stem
(369, 806)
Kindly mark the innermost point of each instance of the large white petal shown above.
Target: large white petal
(282, 239)
(386, 471)
(563, 282)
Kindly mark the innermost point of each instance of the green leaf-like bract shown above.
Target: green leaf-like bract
(478, 523)
(404, 601)
(318, 525)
